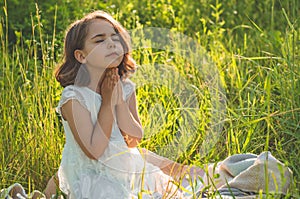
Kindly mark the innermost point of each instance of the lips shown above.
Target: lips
(112, 54)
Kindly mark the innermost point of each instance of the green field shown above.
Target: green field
(233, 72)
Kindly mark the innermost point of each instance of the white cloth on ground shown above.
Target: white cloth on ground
(250, 173)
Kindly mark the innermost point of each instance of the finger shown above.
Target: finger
(114, 77)
(111, 76)
(104, 84)
(116, 71)
(110, 84)
(102, 77)
(117, 75)
(108, 73)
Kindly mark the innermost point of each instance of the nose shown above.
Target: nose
(110, 43)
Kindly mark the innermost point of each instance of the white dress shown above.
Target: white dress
(120, 172)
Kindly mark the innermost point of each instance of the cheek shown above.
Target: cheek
(121, 49)
(95, 56)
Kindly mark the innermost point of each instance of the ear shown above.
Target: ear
(80, 56)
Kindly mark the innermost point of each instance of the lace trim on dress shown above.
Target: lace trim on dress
(128, 89)
(70, 93)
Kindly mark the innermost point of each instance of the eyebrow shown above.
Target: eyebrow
(98, 35)
(102, 35)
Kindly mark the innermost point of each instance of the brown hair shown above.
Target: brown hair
(66, 73)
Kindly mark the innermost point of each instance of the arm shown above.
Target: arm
(52, 186)
(128, 120)
(171, 168)
(92, 138)
(168, 166)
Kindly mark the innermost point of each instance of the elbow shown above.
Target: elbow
(138, 140)
(95, 152)
(135, 136)
(90, 151)
(133, 142)
(94, 155)
(140, 134)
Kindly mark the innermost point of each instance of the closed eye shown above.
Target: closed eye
(115, 38)
(99, 41)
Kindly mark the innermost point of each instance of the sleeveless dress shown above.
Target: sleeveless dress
(120, 172)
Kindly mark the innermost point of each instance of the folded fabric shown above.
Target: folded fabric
(16, 191)
(250, 173)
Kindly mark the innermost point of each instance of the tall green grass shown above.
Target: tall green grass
(258, 65)
(31, 141)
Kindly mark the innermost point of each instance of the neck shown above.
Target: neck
(95, 75)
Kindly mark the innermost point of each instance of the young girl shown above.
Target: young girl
(98, 107)
(100, 118)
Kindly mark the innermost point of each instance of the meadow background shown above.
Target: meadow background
(255, 46)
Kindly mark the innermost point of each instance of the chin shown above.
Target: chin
(114, 64)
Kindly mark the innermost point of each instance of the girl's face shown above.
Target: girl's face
(102, 48)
